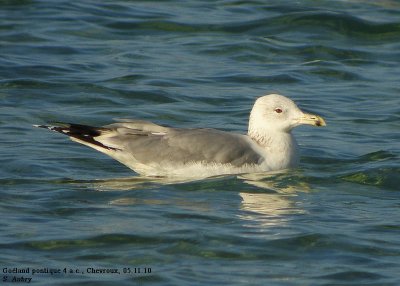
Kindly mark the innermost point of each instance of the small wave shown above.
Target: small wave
(342, 23)
(353, 275)
(266, 24)
(387, 178)
(96, 241)
(373, 169)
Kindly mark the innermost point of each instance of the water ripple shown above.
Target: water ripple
(201, 64)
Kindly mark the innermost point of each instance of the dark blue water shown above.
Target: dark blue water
(68, 211)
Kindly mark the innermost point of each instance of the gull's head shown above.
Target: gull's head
(276, 113)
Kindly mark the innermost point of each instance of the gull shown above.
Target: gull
(158, 151)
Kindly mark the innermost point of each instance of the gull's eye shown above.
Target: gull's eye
(278, 110)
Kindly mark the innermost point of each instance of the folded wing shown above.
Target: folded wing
(146, 143)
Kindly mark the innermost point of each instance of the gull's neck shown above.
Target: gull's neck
(279, 146)
(269, 138)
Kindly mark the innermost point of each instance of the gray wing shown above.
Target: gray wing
(150, 143)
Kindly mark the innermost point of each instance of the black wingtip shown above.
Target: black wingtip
(45, 127)
(84, 133)
(61, 128)
(40, 126)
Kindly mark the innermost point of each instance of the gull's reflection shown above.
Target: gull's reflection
(271, 203)
(129, 184)
(276, 203)
(148, 183)
(132, 183)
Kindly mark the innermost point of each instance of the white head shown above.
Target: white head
(275, 113)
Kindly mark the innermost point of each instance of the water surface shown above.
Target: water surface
(332, 221)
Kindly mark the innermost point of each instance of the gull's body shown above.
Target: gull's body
(154, 150)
